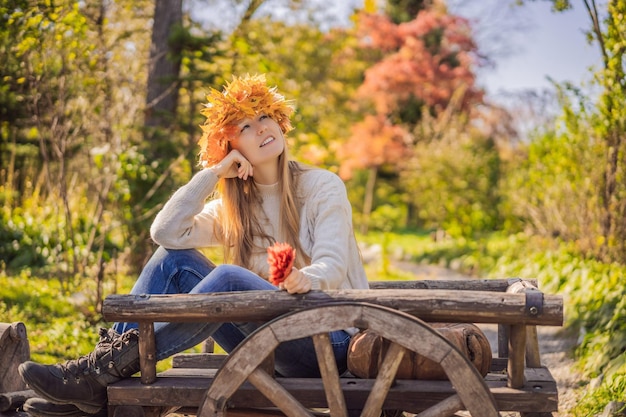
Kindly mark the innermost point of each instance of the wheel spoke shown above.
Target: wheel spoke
(330, 375)
(446, 407)
(277, 394)
(405, 333)
(385, 378)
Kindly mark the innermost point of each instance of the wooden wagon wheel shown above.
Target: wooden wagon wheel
(404, 331)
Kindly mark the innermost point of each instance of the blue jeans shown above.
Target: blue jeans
(189, 271)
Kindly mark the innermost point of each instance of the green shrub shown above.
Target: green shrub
(59, 327)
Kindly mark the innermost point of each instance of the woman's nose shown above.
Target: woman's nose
(261, 128)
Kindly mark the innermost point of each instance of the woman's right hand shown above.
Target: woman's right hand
(233, 165)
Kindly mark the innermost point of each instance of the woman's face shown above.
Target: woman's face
(260, 139)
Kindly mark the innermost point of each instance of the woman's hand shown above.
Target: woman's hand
(296, 283)
(233, 165)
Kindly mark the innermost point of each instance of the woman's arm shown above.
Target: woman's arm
(184, 222)
(329, 220)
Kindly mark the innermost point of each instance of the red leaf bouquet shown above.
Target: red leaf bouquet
(280, 257)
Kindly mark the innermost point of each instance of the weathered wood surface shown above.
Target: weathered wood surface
(402, 330)
(14, 349)
(10, 401)
(429, 305)
(530, 390)
(539, 394)
(198, 360)
(497, 285)
(186, 363)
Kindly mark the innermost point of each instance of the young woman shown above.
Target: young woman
(248, 196)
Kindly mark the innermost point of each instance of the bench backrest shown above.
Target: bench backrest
(473, 301)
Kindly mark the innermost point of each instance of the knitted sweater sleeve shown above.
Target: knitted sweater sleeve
(186, 221)
(329, 224)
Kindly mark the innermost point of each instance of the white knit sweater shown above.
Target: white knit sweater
(326, 235)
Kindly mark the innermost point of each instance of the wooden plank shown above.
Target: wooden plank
(214, 361)
(10, 401)
(198, 360)
(188, 372)
(497, 285)
(429, 305)
(538, 395)
(14, 349)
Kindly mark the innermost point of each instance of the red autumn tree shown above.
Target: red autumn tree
(426, 60)
(426, 66)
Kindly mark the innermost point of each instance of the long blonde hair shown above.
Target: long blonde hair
(241, 203)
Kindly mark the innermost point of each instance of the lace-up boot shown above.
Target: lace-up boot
(83, 381)
(38, 407)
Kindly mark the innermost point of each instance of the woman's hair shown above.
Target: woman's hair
(243, 97)
(241, 203)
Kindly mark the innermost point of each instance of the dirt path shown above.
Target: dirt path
(555, 345)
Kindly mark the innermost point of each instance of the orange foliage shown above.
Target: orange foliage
(373, 142)
(427, 58)
(424, 61)
(243, 97)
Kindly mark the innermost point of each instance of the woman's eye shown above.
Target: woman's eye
(244, 127)
(265, 116)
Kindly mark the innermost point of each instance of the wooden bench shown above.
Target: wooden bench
(241, 384)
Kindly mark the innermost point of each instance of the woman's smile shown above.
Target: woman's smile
(268, 140)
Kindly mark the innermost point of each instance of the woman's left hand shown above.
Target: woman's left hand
(296, 283)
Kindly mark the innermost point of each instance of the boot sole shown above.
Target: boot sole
(36, 412)
(85, 407)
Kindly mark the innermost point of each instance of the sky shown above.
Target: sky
(536, 43)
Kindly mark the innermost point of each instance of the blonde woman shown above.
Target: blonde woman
(248, 196)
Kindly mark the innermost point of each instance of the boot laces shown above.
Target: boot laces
(75, 368)
(86, 364)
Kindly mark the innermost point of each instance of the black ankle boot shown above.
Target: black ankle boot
(83, 381)
(38, 407)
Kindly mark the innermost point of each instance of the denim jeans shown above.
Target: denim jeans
(189, 271)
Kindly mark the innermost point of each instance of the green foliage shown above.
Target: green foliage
(33, 239)
(23, 242)
(57, 327)
(454, 185)
(403, 10)
(318, 70)
(553, 187)
(594, 403)
(611, 127)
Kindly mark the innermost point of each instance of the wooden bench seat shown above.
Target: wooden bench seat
(517, 381)
(187, 389)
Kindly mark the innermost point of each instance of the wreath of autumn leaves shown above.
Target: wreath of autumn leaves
(242, 98)
(280, 257)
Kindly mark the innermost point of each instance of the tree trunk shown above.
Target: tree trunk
(164, 65)
(369, 198)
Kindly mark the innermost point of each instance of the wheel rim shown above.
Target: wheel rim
(243, 363)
